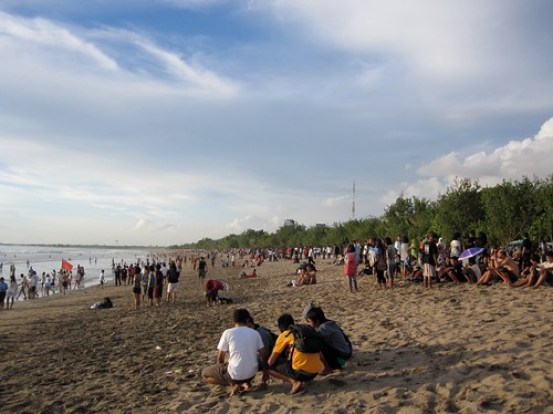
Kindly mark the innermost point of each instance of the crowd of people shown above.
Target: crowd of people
(431, 260)
(32, 286)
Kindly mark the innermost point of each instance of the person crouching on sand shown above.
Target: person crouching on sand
(212, 288)
(243, 345)
(299, 368)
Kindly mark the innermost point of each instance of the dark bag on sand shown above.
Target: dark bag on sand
(306, 339)
(105, 303)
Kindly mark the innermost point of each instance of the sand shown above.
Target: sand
(452, 349)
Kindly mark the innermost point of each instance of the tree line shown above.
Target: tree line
(503, 212)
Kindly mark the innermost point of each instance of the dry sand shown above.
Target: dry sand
(448, 350)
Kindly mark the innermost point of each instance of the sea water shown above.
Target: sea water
(48, 258)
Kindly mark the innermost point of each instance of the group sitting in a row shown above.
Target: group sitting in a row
(297, 355)
(499, 267)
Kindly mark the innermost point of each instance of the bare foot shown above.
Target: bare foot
(296, 387)
(234, 389)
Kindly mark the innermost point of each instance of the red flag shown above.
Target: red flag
(66, 265)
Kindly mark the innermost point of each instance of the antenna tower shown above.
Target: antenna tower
(353, 203)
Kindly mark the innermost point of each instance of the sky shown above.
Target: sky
(161, 122)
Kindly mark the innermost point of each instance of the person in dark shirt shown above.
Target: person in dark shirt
(429, 260)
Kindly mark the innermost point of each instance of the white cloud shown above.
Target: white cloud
(518, 158)
(197, 76)
(28, 33)
(432, 36)
(337, 201)
(70, 56)
(525, 157)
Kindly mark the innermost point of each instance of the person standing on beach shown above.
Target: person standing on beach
(429, 260)
(151, 285)
(117, 275)
(160, 280)
(33, 292)
(172, 282)
(102, 279)
(3, 292)
(136, 290)
(12, 292)
(24, 287)
(202, 269)
(350, 267)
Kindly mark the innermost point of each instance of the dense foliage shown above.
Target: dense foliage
(503, 212)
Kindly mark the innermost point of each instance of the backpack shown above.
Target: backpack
(306, 339)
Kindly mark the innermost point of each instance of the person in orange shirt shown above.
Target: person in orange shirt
(289, 364)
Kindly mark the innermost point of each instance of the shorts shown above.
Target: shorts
(2, 297)
(219, 372)
(172, 287)
(136, 290)
(150, 293)
(512, 277)
(299, 375)
(201, 274)
(549, 278)
(33, 289)
(429, 270)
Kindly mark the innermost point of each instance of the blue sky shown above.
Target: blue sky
(163, 122)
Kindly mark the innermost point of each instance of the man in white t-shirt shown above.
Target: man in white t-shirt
(243, 345)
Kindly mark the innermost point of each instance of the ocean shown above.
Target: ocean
(46, 259)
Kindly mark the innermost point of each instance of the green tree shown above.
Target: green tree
(460, 208)
(510, 208)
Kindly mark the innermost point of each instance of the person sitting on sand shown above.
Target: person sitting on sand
(453, 270)
(243, 345)
(503, 267)
(471, 270)
(307, 275)
(245, 275)
(212, 288)
(546, 271)
(268, 338)
(299, 368)
(530, 274)
(336, 346)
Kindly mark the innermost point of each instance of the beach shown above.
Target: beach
(449, 349)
